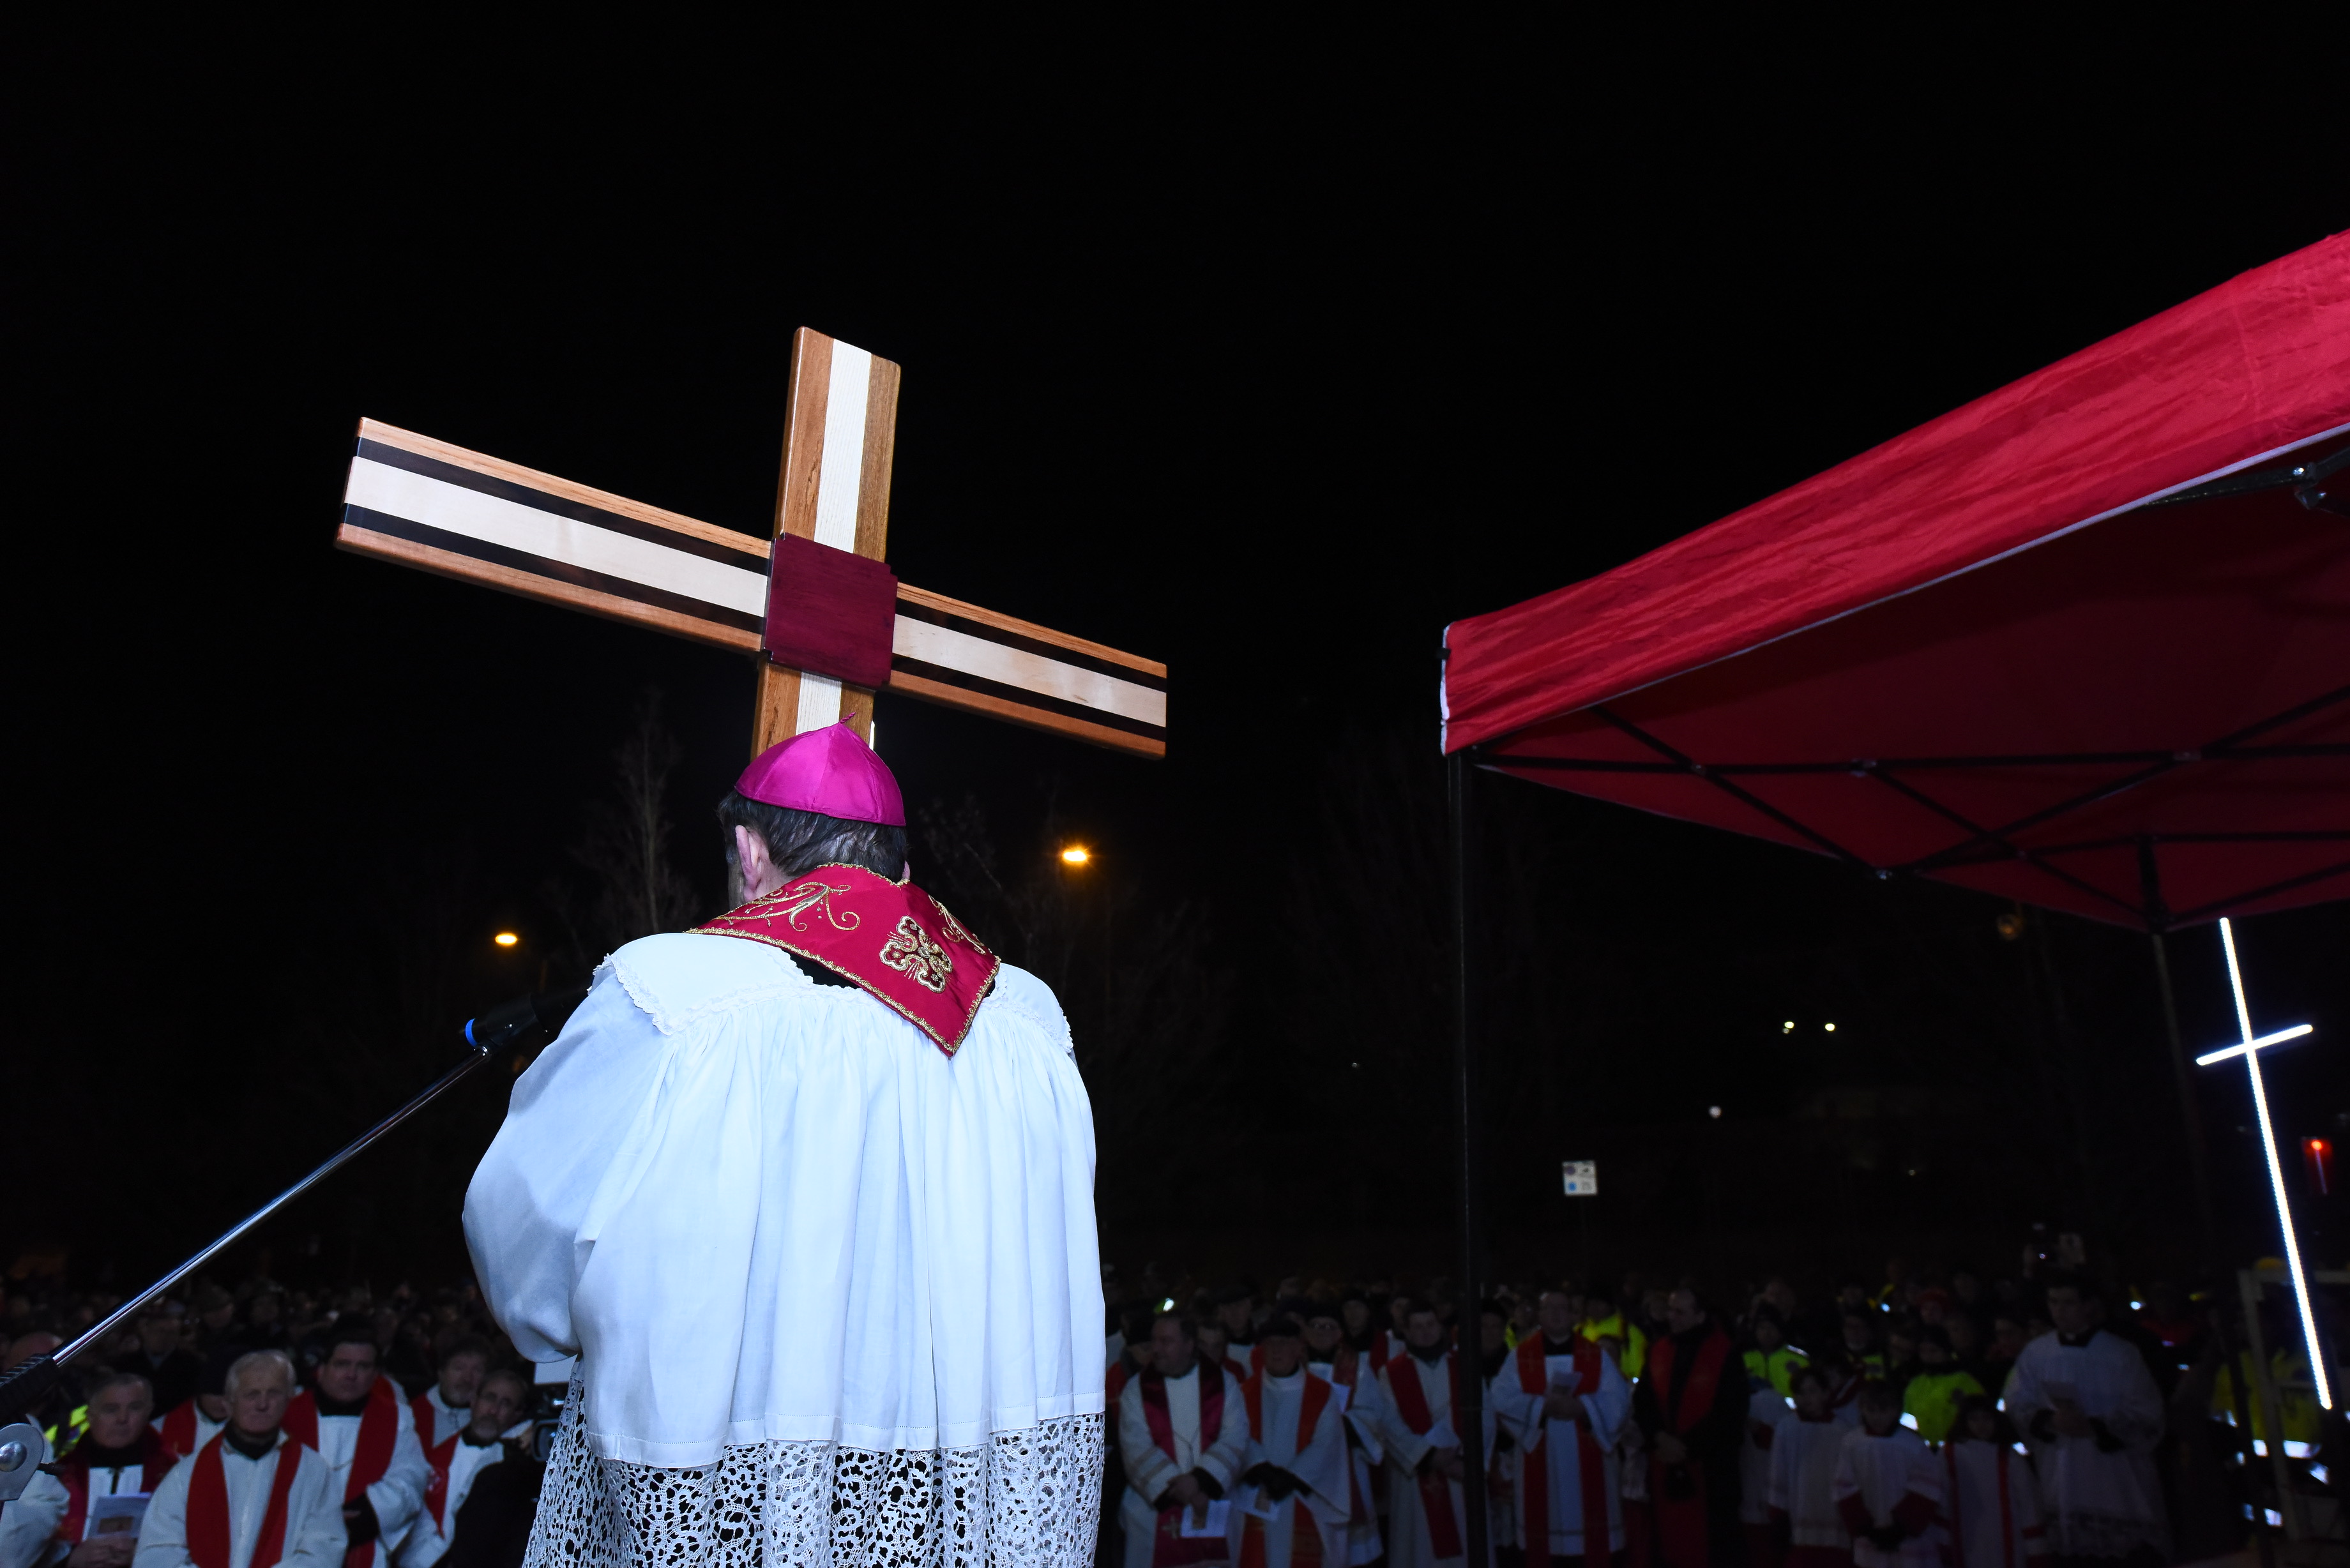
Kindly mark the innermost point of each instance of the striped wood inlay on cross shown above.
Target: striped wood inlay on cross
(441, 508)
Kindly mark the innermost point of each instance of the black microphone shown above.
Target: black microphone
(502, 1027)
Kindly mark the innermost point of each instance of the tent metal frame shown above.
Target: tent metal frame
(1981, 844)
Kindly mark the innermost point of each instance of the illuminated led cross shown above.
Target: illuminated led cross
(2250, 1048)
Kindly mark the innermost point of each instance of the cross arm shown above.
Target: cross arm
(440, 508)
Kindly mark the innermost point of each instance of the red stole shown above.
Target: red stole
(371, 1457)
(156, 1459)
(179, 1429)
(1435, 1490)
(208, 1522)
(1305, 1534)
(1591, 1461)
(1682, 1541)
(428, 1418)
(436, 1490)
(896, 942)
(1169, 1548)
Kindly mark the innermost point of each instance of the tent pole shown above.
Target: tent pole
(2198, 1164)
(1468, 895)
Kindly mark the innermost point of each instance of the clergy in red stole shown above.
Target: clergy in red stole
(1331, 1356)
(1564, 1404)
(252, 1497)
(493, 1403)
(189, 1425)
(118, 1455)
(1692, 1405)
(1183, 1433)
(364, 1431)
(1428, 1522)
(1291, 1505)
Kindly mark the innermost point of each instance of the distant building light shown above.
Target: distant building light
(1713, 1111)
(1788, 1027)
(506, 939)
(1829, 1027)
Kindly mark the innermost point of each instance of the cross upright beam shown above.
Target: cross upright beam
(440, 508)
(2250, 1048)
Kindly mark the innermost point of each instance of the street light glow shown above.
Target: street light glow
(2250, 1050)
(1829, 1027)
(506, 939)
(1077, 855)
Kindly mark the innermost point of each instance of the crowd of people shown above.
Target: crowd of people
(1968, 1422)
(237, 1428)
(1965, 1422)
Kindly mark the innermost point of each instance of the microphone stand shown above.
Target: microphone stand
(30, 1382)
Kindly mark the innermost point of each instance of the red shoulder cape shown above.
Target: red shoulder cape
(892, 939)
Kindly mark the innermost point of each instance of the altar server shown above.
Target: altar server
(252, 1497)
(1888, 1487)
(1805, 1447)
(1990, 1498)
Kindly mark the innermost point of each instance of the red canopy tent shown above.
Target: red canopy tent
(2085, 641)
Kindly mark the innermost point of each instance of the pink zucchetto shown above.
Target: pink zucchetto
(829, 770)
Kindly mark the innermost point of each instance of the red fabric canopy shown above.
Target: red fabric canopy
(2085, 641)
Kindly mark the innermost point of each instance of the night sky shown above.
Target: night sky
(1266, 370)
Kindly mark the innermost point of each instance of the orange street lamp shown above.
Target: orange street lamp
(507, 940)
(1077, 855)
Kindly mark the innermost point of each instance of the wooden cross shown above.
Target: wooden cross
(831, 622)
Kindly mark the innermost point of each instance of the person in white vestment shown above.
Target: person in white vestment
(1888, 1487)
(493, 1404)
(1183, 1431)
(1295, 1488)
(1565, 1404)
(1806, 1446)
(1428, 1504)
(2093, 1415)
(1332, 1357)
(303, 1518)
(449, 1401)
(1990, 1498)
(355, 1418)
(808, 1190)
(28, 1524)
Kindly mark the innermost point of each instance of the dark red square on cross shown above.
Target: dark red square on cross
(830, 612)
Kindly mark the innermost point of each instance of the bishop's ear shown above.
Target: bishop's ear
(752, 863)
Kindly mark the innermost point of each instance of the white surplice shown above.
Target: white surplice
(448, 1419)
(1803, 1456)
(1151, 1469)
(2103, 1496)
(1317, 1458)
(313, 1510)
(1884, 1473)
(793, 1241)
(1521, 1415)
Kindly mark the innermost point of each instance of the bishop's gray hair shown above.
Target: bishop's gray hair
(799, 840)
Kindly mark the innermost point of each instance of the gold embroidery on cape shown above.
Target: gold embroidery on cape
(793, 904)
(912, 953)
(952, 927)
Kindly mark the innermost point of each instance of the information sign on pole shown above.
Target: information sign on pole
(1581, 1178)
